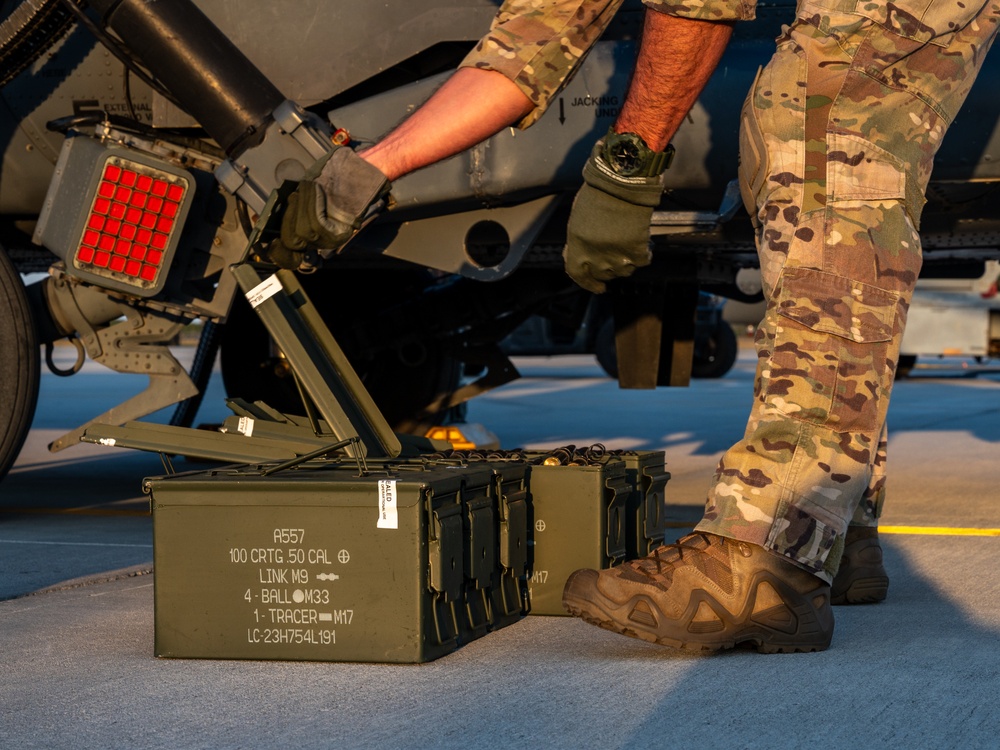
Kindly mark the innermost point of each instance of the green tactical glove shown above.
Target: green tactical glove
(608, 232)
(337, 196)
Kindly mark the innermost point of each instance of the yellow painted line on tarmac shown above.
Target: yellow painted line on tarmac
(937, 531)
(902, 530)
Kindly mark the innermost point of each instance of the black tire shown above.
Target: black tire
(19, 364)
(718, 355)
(401, 381)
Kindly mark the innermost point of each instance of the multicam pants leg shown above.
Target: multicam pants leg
(839, 134)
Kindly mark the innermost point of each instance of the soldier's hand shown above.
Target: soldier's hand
(338, 195)
(608, 232)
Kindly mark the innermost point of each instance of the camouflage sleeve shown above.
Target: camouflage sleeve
(707, 10)
(539, 44)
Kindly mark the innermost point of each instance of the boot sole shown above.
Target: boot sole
(863, 591)
(582, 599)
(862, 578)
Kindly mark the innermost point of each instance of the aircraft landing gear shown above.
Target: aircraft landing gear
(19, 364)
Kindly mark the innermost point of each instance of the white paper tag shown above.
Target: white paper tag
(264, 290)
(245, 426)
(387, 516)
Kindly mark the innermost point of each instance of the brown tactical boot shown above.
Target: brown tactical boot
(707, 593)
(862, 578)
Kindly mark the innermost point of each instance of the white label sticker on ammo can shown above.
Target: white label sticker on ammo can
(387, 517)
(245, 426)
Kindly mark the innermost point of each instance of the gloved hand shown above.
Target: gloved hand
(338, 195)
(608, 232)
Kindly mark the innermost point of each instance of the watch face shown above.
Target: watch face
(626, 154)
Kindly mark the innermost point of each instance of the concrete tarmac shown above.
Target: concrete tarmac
(919, 670)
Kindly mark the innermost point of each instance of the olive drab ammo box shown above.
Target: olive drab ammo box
(591, 509)
(400, 563)
(579, 522)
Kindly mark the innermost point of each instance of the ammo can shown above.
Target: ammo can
(318, 562)
(579, 521)
(588, 508)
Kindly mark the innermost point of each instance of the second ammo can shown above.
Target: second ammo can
(579, 521)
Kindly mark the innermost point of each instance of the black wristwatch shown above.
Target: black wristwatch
(629, 156)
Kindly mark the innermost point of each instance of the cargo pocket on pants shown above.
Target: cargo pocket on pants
(830, 345)
(859, 171)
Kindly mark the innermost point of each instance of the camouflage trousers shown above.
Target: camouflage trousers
(838, 138)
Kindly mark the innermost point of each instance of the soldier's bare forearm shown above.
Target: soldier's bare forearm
(471, 106)
(676, 58)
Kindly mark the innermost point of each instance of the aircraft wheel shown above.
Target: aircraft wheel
(719, 354)
(19, 364)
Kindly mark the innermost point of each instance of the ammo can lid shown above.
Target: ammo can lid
(309, 483)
